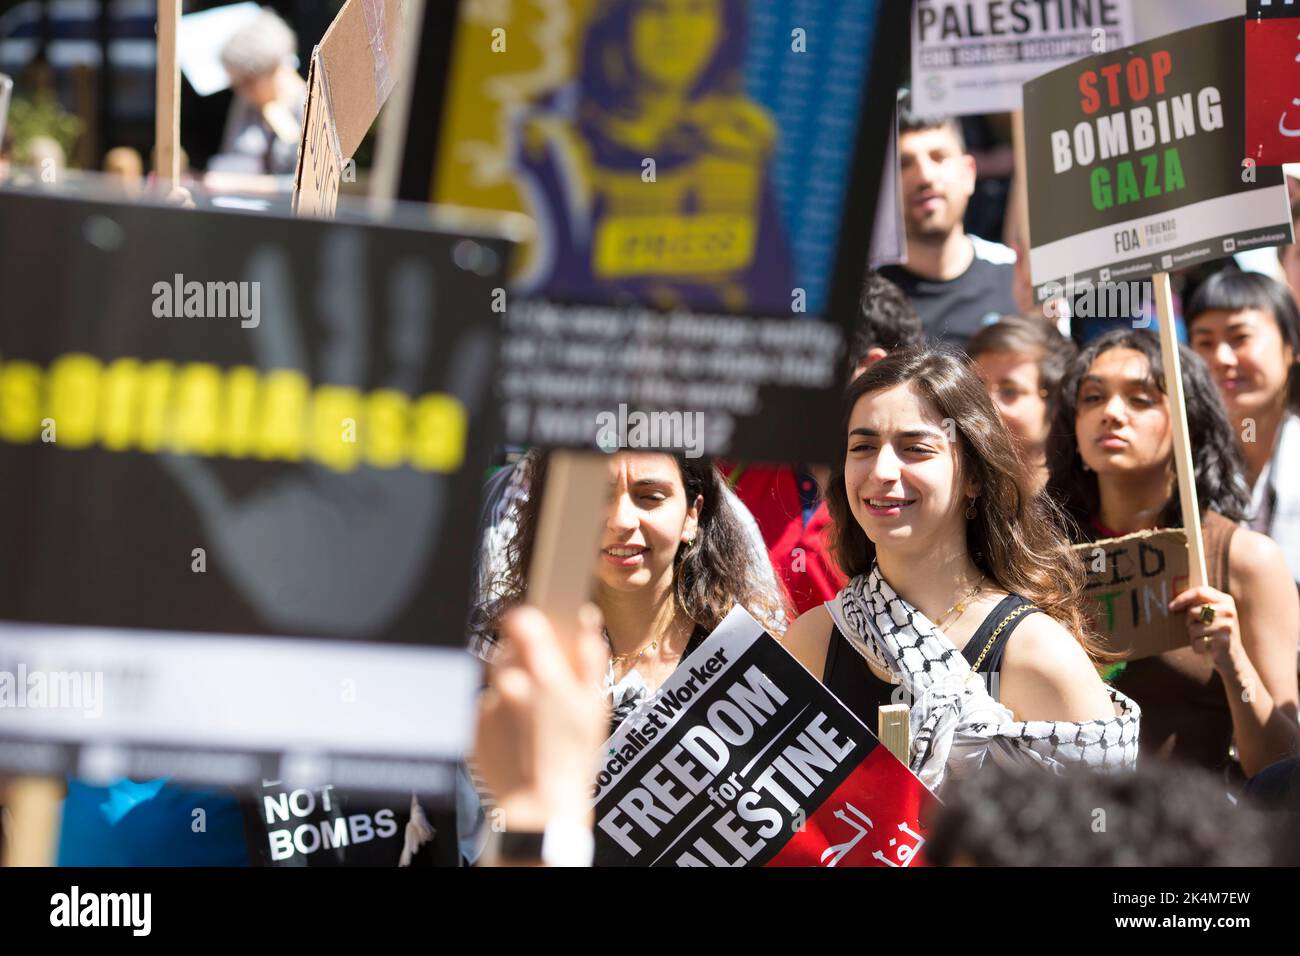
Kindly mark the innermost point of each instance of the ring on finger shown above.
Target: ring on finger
(1207, 614)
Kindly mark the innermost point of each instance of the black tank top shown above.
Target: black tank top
(849, 678)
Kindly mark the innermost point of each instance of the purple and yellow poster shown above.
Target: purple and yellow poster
(712, 158)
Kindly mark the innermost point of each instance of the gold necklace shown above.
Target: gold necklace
(618, 660)
(960, 606)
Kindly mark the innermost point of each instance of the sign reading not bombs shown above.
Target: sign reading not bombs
(702, 177)
(743, 758)
(1135, 163)
(240, 457)
(1131, 581)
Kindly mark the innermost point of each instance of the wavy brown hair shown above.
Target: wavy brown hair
(710, 576)
(1016, 536)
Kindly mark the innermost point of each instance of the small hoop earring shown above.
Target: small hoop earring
(971, 513)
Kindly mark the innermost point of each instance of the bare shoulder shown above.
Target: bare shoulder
(1047, 675)
(808, 639)
(1255, 558)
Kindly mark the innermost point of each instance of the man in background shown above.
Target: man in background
(957, 283)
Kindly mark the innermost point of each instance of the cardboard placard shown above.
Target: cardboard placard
(972, 56)
(691, 285)
(743, 758)
(241, 457)
(1135, 163)
(353, 70)
(320, 160)
(1131, 581)
(1272, 82)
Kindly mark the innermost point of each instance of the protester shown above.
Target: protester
(788, 502)
(1162, 815)
(673, 561)
(956, 282)
(952, 555)
(505, 497)
(125, 165)
(1112, 468)
(1021, 362)
(1247, 329)
(265, 121)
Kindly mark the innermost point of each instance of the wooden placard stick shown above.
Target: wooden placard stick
(167, 117)
(1183, 465)
(894, 728)
(568, 535)
(1019, 226)
(31, 822)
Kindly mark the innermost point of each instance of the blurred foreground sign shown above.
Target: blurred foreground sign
(240, 457)
(704, 201)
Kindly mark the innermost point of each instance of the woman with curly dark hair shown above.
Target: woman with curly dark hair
(673, 561)
(958, 570)
(1111, 459)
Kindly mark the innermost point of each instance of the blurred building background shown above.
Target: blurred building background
(84, 74)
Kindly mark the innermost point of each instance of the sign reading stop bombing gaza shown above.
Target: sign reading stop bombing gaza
(1135, 164)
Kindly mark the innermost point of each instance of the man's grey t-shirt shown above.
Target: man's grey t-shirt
(951, 312)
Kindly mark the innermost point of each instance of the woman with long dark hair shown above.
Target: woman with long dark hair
(1111, 459)
(673, 561)
(1247, 329)
(958, 570)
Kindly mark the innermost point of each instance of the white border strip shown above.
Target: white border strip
(1197, 222)
(245, 692)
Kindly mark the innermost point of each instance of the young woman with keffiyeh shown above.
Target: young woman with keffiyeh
(965, 597)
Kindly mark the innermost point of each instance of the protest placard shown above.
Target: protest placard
(973, 56)
(1135, 163)
(693, 277)
(352, 72)
(242, 455)
(743, 758)
(1272, 82)
(889, 234)
(1131, 581)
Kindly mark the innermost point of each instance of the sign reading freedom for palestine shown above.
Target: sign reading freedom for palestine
(240, 458)
(743, 758)
(973, 56)
(1135, 163)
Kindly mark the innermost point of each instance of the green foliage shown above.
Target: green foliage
(41, 116)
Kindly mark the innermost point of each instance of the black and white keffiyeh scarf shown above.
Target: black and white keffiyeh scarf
(956, 725)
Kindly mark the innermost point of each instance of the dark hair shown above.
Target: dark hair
(709, 577)
(1214, 447)
(1162, 814)
(1230, 290)
(1015, 537)
(1051, 350)
(910, 122)
(887, 320)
